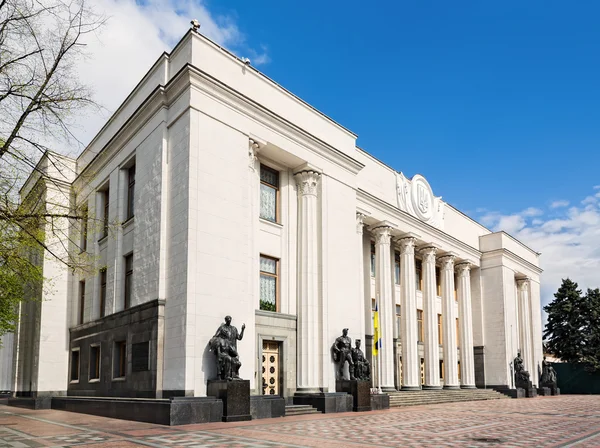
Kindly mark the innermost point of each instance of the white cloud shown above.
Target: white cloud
(559, 204)
(569, 242)
(134, 37)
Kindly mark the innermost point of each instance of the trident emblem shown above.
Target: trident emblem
(423, 198)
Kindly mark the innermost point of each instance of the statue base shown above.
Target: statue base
(544, 391)
(531, 392)
(555, 390)
(360, 391)
(514, 393)
(235, 396)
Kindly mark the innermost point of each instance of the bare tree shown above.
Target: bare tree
(40, 95)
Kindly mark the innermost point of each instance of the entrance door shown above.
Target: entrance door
(270, 368)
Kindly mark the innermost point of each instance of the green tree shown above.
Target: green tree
(591, 349)
(565, 328)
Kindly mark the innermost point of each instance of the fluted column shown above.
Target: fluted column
(449, 323)
(361, 277)
(525, 326)
(411, 364)
(383, 281)
(308, 281)
(431, 348)
(467, 363)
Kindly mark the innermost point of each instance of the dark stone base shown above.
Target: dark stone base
(410, 388)
(235, 396)
(267, 406)
(35, 403)
(174, 411)
(555, 391)
(424, 387)
(451, 387)
(531, 392)
(360, 391)
(380, 401)
(326, 402)
(513, 393)
(468, 387)
(543, 391)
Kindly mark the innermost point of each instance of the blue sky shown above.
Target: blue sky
(495, 103)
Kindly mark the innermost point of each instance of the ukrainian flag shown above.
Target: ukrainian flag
(377, 337)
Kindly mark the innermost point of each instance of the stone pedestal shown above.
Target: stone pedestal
(326, 402)
(531, 392)
(544, 391)
(515, 393)
(235, 396)
(360, 391)
(555, 390)
(267, 406)
(380, 401)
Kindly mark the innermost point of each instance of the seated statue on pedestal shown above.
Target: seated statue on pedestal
(224, 345)
(362, 367)
(521, 375)
(342, 352)
(548, 375)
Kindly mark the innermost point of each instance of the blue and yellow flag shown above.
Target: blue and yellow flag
(377, 336)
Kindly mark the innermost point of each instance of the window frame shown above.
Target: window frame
(119, 371)
(397, 267)
(399, 320)
(277, 189)
(271, 275)
(98, 361)
(373, 260)
(128, 282)
(130, 210)
(420, 327)
(84, 229)
(81, 316)
(73, 351)
(457, 334)
(440, 330)
(419, 274)
(438, 281)
(103, 289)
(105, 211)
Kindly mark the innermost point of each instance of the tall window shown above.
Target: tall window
(397, 267)
(84, 229)
(268, 283)
(269, 194)
(128, 280)
(420, 325)
(419, 276)
(105, 204)
(74, 365)
(372, 259)
(438, 282)
(102, 292)
(440, 337)
(81, 300)
(95, 362)
(455, 293)
(441, 369)
(457, 334)
(120, 359)
(130, 192)
(398, 315)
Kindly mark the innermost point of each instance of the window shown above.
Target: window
(75, 365)
(372, 259)
(419, 276)
(84, 229)
(440, 337)
(373, 304)
(105, 204)
(420, 325)
(398, 314)
(438, 282)
(458, 365)
(128, 280)
(441, 369)
(130, 192)
(95, 362)
(120, 359)
(268, 283)
(269, 194)
(457, 334)
(81, 300)
(397, 267)
(455, 293)
(102, 292)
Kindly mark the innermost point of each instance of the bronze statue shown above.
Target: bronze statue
(548, 375)
(224, 345)
(342, 352)
(521, 375)
(362, 367)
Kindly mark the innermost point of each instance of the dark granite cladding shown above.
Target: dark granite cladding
(326, 402)
(176, 411)
(267, 406)
(235, 396)
(479, 359)
(544, 391)
(360, 391)
(380, 401)
(35, 403)
(142, 329)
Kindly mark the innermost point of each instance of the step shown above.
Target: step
(437, 396)
(300, 409)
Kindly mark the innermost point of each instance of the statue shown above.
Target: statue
(362, 367)
(548, 375)
(224, 345)
(342, 352)
(521, 375)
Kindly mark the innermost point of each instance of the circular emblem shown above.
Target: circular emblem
(422, 197)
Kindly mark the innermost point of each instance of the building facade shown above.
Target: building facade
(213, 191)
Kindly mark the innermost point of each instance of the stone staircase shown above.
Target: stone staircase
(421, 397)
(300, 409)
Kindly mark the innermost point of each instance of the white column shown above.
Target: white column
(383, 281)
(525, 327)
(449, 323)
(411, 364)
(308, 281)
(467, 363)
(361, 276)
(431, 349)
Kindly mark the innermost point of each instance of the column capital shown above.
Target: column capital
(307, 182)
(360, 222)
(523, 283)
(463, 268)
(254, 145)
(383, 234)
(428, 254)
(407, 245)
(447, 262)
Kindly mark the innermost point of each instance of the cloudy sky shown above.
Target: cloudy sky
(496, 103)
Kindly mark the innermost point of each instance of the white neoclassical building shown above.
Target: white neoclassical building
(214, 191)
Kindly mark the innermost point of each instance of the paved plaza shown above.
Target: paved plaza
(540, 422)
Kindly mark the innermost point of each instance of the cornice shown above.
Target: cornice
(419, 226)
(512, 256)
